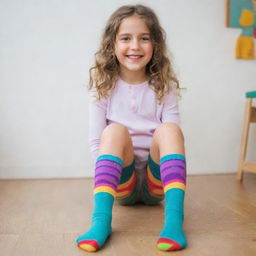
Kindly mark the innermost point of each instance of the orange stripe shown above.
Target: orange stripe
(155, 191)
(158, 192)
(155, 186)
(124, 192)
(129, 188)
(127, 183)
(153, 179)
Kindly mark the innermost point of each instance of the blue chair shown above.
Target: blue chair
(250, 117)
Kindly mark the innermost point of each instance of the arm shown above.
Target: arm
(170, 111)
(97, 123)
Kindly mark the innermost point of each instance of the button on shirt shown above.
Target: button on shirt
(136, 107)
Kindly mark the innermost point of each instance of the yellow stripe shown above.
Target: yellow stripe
(127, 183)
(87, 247)
(153, 179)
(174, 185)
(104, 189)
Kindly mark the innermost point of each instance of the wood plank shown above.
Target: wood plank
(8, 243)
(44, 217)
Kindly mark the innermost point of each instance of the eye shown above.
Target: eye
(126, 38)
(145, 38)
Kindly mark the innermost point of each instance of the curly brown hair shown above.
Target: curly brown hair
(104, 73)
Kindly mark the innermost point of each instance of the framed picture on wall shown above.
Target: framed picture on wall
(235, 9)
(242, 14)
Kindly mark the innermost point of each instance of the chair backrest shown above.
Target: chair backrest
(251, 94)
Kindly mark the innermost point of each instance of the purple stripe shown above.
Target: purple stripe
(107, 174)
(178, 169)
(102, 181)
(114, 165)
(108, 169)
(172, 167)
(108, 162)
(173, 170)
(110, 178)
(167, 171)
(180, 172)
(173, 176)
(118, 170)
(173, 162)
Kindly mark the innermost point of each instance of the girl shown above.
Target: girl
(134, 131)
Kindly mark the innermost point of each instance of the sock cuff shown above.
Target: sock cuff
(172, 157)
(110, 157)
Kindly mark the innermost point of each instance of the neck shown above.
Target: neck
(133, 77)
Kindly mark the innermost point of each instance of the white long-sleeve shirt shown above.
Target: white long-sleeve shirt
(136, 107)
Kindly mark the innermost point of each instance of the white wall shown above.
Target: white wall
(46, 50)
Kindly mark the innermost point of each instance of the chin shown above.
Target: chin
(136, 69)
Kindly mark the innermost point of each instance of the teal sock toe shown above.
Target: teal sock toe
(172, 236)
(101, 221)
(99, 232)
(173, 229)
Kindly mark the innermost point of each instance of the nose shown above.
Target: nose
(135, 44)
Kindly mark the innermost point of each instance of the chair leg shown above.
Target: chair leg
(244, 140)
(239, 175)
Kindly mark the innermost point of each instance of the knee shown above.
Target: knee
(167, 130)
(115, 132)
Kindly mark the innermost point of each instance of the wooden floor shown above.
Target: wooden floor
(44, 217)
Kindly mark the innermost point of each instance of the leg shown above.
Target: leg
(244, 141)
(115, 140)
(115, 149)
(168, 150)
(167, 139)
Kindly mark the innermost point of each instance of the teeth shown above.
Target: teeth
(134, 56)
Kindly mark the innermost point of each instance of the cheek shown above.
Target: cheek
(119, 50)
(149, 50)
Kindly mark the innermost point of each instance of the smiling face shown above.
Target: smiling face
(133, 47)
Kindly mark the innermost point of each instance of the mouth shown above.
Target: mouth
(134, 57)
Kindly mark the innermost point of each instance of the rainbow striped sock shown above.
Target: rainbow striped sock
(126, 190)
(173, 176)
(152, 187)
(107, 175)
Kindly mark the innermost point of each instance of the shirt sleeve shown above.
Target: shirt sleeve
(97, 123)
(170, 111)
